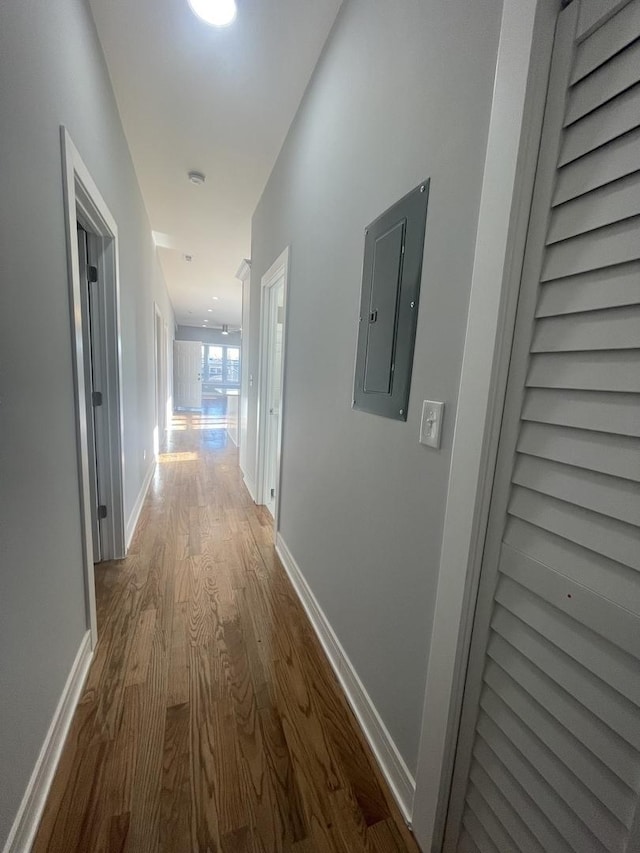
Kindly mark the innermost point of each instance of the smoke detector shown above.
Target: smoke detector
(197, 178)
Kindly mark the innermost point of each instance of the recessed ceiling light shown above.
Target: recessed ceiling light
(196, 177)
(215, 298)
(218, 13)
(210, 310)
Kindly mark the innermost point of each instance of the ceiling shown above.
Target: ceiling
(219, 101)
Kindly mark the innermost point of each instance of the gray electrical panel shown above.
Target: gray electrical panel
(391, 275)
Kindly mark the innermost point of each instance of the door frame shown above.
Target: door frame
(244, 276)
(84, 203)
(515, 128)
(160, 378)
(279, 269)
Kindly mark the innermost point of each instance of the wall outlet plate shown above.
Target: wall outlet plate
(431, 423)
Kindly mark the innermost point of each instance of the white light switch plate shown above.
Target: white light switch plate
(431, 423)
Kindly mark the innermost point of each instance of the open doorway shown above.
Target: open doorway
(92, 246)
(272, 352)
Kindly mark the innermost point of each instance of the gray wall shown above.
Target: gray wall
(208, 336)
(401, 93)
(52, 73)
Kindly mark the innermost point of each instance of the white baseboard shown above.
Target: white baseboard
(391, 763)
(137, 507)
(251, 486)
(27, 820)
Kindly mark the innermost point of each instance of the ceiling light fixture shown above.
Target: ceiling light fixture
(197, 178)
(218, 13)
(225, 328)
(210, 310)
(215, 298)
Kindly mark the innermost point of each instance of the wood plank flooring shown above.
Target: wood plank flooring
(211, 721)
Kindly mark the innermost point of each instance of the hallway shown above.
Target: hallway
(210, 719)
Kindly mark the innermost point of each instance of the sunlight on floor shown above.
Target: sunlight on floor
(211, 421)
(198, 421)
(185, 456)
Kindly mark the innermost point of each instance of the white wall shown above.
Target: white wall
(401, 93)
(208, 336)
(52, 73)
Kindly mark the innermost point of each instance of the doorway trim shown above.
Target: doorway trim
(160, 378)
(84, 203)
(522, 72)
(279, 269)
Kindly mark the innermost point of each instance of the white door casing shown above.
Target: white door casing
(244, 275)
(84, 204)
(273, 311)
(160, 364)
(273, 380)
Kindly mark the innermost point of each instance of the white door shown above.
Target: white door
(91, 330)
(273, 385)
(187, 374)
(548, 757)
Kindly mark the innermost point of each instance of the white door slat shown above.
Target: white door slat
(466, 844)
(522, 614)
(601, 824)
(615, 455)
(617, 797)
(609, 496)
(565, 692)
(516, 830)
(607, 577)
(478, 833)
(517, 656)
(610, 329)
(608, 163)
(489, 820)
(606, 41)
(613, 413)
(603, 206)
(601, 615)
(622, 72)
(612, 120)
(616, 540)
(594, 13)
(591, 291)
(609, 246)
(536, 786)
(586, 371)
(540, 826)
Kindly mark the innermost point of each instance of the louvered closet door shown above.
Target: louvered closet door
(549, 750)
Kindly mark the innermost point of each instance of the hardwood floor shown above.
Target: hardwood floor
(211, 720)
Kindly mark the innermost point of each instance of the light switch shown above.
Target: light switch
(431, 423)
